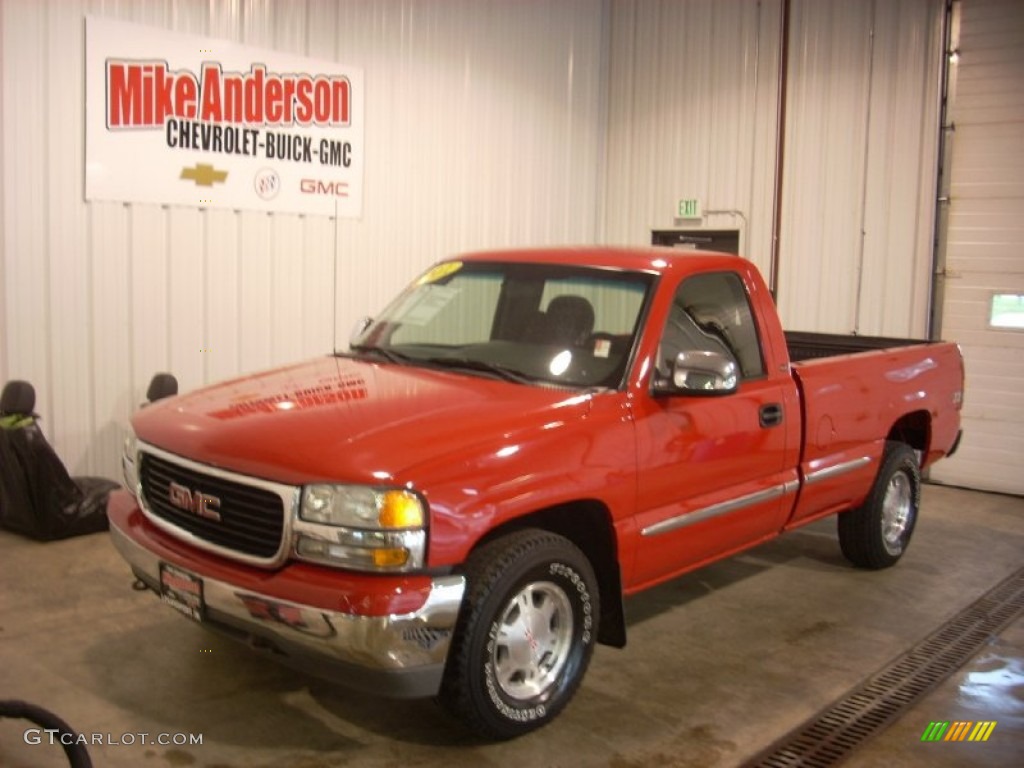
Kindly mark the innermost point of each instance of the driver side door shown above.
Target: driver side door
(716, 468)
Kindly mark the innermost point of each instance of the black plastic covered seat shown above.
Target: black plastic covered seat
(38, 498)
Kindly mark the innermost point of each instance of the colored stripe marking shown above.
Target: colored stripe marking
(935, 731)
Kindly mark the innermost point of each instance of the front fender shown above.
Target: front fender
(587, 454)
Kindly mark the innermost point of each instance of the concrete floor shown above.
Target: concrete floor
(719, 664)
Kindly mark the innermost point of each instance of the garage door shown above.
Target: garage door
(983, 302)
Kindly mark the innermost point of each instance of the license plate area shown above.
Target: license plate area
(182, 591)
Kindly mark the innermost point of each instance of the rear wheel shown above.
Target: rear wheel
(876, 534)
(525, 634)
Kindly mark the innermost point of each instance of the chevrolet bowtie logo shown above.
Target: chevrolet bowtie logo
(203, 175)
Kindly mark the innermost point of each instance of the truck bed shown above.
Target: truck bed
(805, 345)
(857, 392)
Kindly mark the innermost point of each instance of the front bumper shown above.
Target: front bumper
(333, 634)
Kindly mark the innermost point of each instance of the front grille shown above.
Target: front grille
(251, 518)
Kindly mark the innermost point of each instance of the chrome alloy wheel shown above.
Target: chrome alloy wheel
(897, 512)
(533, 640)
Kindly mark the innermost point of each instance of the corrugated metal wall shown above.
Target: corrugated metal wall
(489, 123)
(985, 241)
(860, 171)
(483, 129)
(693, 112)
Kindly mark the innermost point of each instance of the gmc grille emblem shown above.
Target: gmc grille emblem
(196, 502)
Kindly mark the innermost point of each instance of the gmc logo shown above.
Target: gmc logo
(196, 502)
(320, 187)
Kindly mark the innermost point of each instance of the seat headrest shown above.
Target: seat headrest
(19, 397)
(160, 386)
(572, 318)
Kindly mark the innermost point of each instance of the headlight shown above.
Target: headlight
(356, 526)
(130, 462)
(361, 506)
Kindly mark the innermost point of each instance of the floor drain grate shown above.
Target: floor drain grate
(833, 734)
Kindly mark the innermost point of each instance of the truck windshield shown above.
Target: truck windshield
(530, 323)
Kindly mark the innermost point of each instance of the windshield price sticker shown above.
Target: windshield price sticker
(440, 272)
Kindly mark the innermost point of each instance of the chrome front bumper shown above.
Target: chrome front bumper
(396, 655)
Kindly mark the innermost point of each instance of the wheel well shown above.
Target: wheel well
(587, 524)
(914, 429)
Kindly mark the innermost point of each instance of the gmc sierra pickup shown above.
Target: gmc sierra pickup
(456, 505)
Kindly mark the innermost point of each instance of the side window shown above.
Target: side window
(711, 313)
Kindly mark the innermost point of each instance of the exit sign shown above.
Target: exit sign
(688, 209)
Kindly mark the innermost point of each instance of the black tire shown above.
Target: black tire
(876, 534)
(525, 634)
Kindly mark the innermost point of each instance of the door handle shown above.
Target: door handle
(770, 415)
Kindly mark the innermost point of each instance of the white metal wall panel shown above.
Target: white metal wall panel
(489, 123)
(148, 298)
(901, 170)
(985, 242)
(111, 326)
(827, 111)
(220, 307)
(317, 301)
(255, 283)
(860, 159)
(287, 292)
(27, 317)
(72, 365)
(483, 129)
(692, 111)
(186, 291)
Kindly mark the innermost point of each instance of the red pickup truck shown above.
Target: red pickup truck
(456, 506)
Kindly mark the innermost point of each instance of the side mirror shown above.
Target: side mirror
(359, 329)
(696, 372)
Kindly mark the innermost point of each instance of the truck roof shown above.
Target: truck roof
(657, 260)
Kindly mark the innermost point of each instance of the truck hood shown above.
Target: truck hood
(346, 420)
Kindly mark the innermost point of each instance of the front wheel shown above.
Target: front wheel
(525, 634)
(876, 534)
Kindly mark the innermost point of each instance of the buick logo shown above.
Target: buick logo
(198, 503)
(267, 183)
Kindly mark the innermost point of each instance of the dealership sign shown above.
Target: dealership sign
(182, 120)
